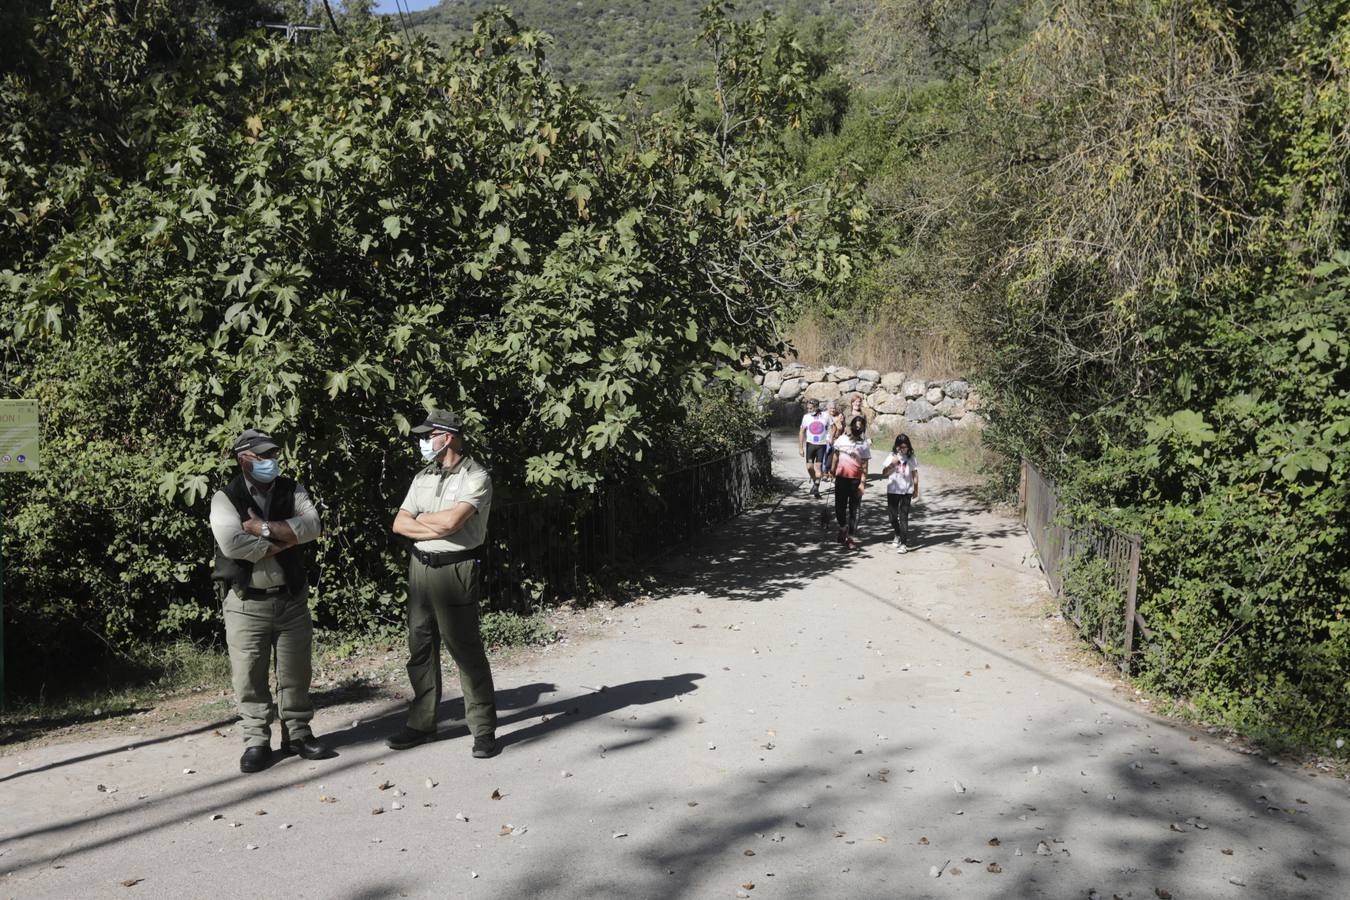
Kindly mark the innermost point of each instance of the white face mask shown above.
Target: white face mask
(428, 447)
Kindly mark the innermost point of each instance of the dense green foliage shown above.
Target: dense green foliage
(610, 45)
(204, 227)
(1134, 216)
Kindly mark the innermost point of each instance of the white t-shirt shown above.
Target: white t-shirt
(851, 456)
(901, 480)
(817, 428)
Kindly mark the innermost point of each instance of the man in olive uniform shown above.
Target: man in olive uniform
(446, 516)
(259, 520)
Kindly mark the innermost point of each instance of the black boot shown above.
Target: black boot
(255, 759)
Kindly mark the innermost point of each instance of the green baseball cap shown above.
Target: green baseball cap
(254, 440)
(440, 420)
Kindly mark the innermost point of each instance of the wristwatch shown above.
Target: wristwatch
(267, 531)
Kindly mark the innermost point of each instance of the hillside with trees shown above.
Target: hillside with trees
(614, 45)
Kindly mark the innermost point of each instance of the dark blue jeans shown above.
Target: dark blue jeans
(847, 500)
(899, 509)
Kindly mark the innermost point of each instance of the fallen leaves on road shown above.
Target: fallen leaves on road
(386, 785)
(496, 794)
(430, 784)
(324, 798)
(132, 882)
(993, 868)
(994, 842)
(377, 811)
(619, 834)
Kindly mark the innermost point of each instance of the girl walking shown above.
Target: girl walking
(902, 487)
(852, 452)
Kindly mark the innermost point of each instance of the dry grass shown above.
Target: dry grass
(877, 343)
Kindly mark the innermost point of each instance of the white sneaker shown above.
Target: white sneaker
(901, 548)
(895, 542)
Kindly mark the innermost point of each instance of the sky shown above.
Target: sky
(389, 6)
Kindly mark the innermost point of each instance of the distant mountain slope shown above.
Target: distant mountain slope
(611, 44)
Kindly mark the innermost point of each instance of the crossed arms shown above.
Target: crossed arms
(430, 526)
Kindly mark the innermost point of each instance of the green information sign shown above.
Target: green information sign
(18, 435)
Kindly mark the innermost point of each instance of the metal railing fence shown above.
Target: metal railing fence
(1062, 544)
(546, 550)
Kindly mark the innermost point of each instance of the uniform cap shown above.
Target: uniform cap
(440, 420)
(254, 440)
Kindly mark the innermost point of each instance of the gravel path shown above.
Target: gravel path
(790, 720)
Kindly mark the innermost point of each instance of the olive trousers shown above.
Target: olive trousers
(443, 606)
(255, 630)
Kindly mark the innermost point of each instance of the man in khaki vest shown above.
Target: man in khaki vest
(446, 515)
(259, 520)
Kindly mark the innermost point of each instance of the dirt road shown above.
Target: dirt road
(790, 720)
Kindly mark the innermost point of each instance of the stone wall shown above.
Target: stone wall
(895, 402)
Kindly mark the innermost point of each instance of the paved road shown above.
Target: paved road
(810, 722)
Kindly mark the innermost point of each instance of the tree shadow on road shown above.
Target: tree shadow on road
(93, 832)
(120, 748)
(784, 546)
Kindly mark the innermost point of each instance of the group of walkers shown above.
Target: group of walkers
(836, 446)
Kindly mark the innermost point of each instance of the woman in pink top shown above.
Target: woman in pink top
(852, 450)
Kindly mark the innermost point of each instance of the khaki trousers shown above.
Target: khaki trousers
(254, 629)
(443, 605)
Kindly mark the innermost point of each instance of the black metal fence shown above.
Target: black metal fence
(1061, 545)
(552, 549)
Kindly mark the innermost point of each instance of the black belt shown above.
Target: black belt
(437, 558)
(265, 593)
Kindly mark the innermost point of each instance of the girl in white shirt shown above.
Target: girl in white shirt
(902, 487)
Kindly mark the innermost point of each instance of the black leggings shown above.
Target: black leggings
(899, 508)
(846, 503)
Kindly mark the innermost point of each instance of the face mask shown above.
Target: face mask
(428, 452)
(265, 471)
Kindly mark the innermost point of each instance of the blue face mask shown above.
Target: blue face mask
(265, 471)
